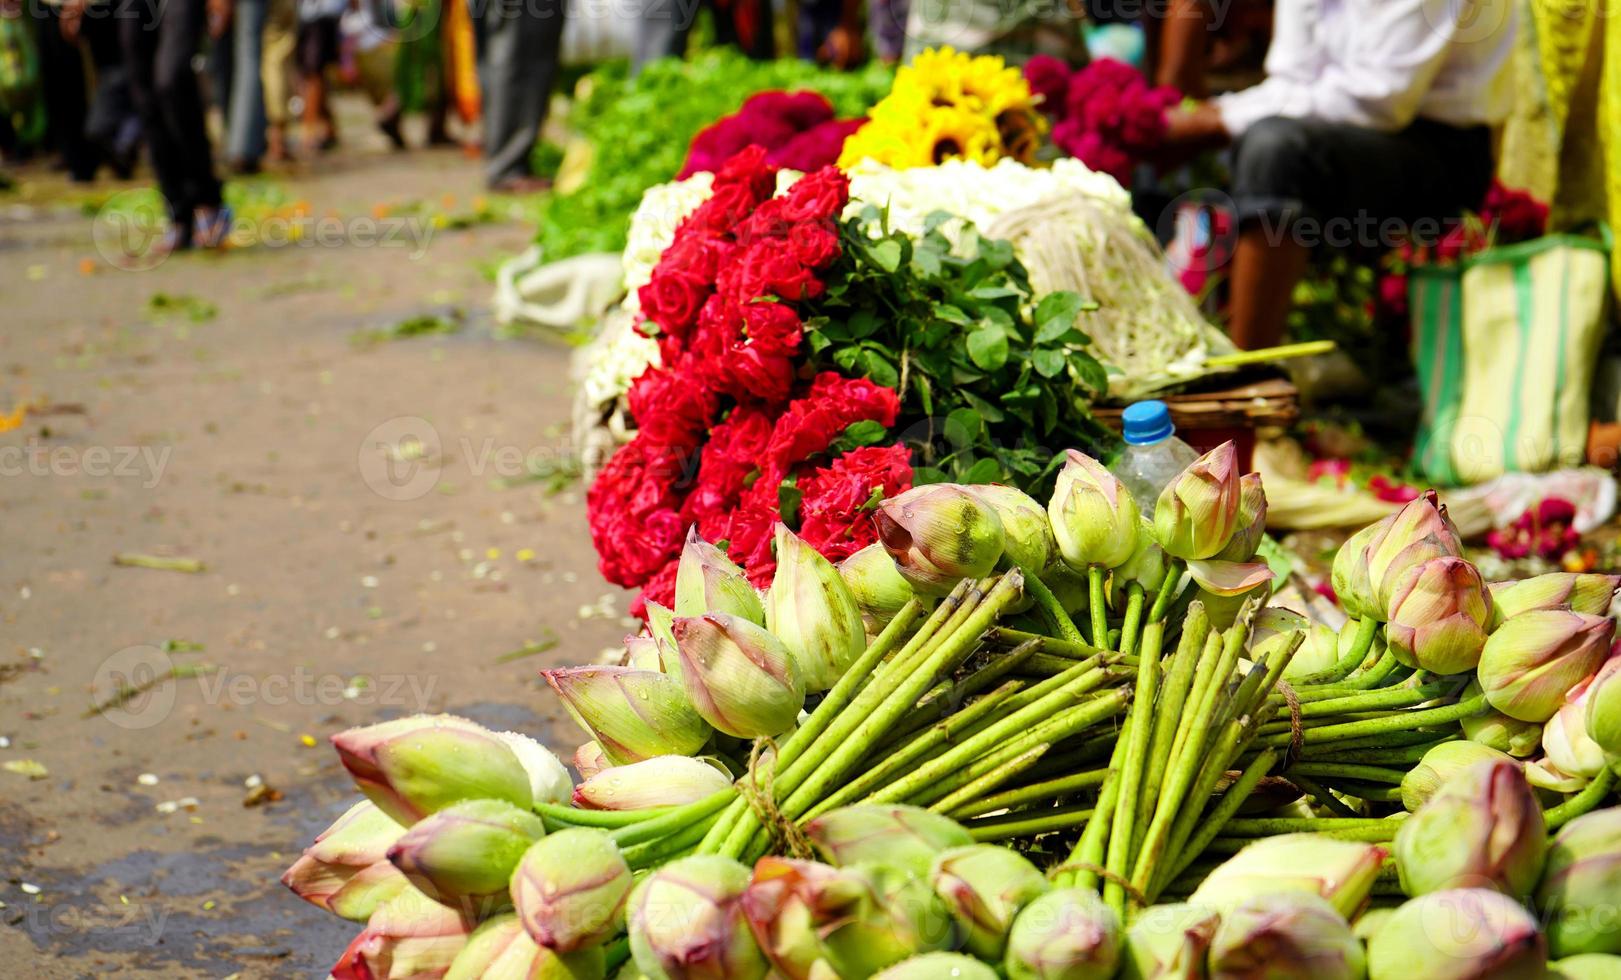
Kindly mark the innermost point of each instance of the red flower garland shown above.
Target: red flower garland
(796, 129)
(1106, 115)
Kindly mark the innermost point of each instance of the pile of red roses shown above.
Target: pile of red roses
(1106, 115)
(731, 417)
(796, 129)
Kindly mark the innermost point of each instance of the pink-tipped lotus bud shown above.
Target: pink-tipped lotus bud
(549, 780)
(1496, 730)
(907, 837)
(641, 653)
(739, 677)
(1604, 708)
(813, 613)
(466, 850)
(1418, 532)
(499, 949)
(415, 766)
(1463, 934)
(1147, 565)
(1581, 885)
(1323, 648)
(1066, 934)
(940, 534)
(409, 936)
(1583, 593)
(1094, 518)
(985, 886)
(346, 870)
(1438, 615)
(876, 583)
(570, 889)
(1251, 526)
(1532, 660)
(1027, 535)
(1169, 942)
(1586, 966)
(1286, 935)
(664, 780)
(1349, 575)
(1565, 738)
(589, 759)
(1483, 829)
(660, 624)
(708, 581)
(686, 922)
(633, 714)
(1197, 512)
(935, 966)
(1339, 870)
(1547, 777)
(1225, 586)
(1440, 766)
(787, 904)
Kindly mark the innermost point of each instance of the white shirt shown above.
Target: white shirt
(1382, 63)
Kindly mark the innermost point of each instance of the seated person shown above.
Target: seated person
(1373, 112)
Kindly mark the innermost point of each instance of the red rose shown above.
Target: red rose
(671, 408)
(673, 298)
(660, 589)
(833, 513)
(721, 211)
(765, 267)
(749, 170)
(632, 511)
(811, 423)
(769, 222)
(818, 196)
(748, 535)
(751, 375)
(734, 451)
(699, 254)
(773, 328)
(814, 243)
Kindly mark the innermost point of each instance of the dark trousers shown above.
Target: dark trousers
(1367, 184)
(61, 70)
(519, 43)
(666, 25)
(158, 46)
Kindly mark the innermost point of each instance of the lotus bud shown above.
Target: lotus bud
(1439, 766)
(549, 780)
(1274, 629)
(660, 622)
(1094, 517)
(641, 653)
(1604, 708)
(1532, 660)
(1370, 922)
(1341, 871)
(1583, 593)
(411, 767)
(1418, 532)
(1147, 565)
(632, 714)
(1072, 589)
(466, 850)
(346, 870)
(708, 581)
(1437, 616)
(1225, 586)
(907, 837)
(1027, 535)
(985, 886)
(1496, 730)
(1565, 737)
(1483, 829)
(664, 780)
(1286, 935)
(1551, 780)
(1349, 576)
(1319, 653)
(1169, 942)
(1251, 526)
(1586, 966)
(813, 613)
(939, 534)
(739, 677)
(570, 889)
(1581, 886)
(1066, 934)
(686, 921)
(938, 966)
(1197, 512)
(410, 935)
(876, 583)
(589, 759)
(787, 904)
(499, 949)
(1463, 934)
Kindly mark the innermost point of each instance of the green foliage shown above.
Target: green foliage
(991, 389)
(641, 128)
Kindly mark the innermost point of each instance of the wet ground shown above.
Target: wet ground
(195, 503)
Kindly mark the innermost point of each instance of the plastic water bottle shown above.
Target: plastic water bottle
(1154, 455)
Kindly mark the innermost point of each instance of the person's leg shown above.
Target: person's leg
(138, 37)
(275, 72)
(1183, 50)
(245, 142)
(174, 83)
(522, 40)
(61, 70)
(663, 30)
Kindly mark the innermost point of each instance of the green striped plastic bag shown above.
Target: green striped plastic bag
(1505, 343)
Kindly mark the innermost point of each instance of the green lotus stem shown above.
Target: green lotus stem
(1047, 789)
(1028, 824)
(1099, 611)
(998, 776)
(1366, 630)
(1403, 722)
(946, 697)
(1322, 795)
(656, 851)
(1168, 712)
(558, 816)
(678, 818)
(1036, 692)
(1089, 850)
(1584, 802)
(1378, 742)
(1401, 697)
(1368, 791)
(1224, 811)
(616, 953)
(1151, 869)
(1270, 826)
(1331, 770)
(1120, 853)
(1387, 667)
(1167, 591)
(1052, 611)
(1131, 626)
(1204, 672)
(1059, 648)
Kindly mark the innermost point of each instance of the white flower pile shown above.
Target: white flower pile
(974, 192)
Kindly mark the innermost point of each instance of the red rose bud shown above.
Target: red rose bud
(1341, 871)
(1418, 532)
(409, 936)
(1197, 512)
(686, 921)
(1565, 738)
(876, 583)
(665, 780)
(466, 851)
(1604, 708)
(1583, 593)
(1483, 829)
(1093, 516)
(813, 613)
(1533, 659)
(499, 949)
(1286, 935)
(985, 886)
(1463, 934)
(1251, 526)
(708, 581)
(739, 677)
(570, 889)
(346, 870)
(415, 766)
(1066, 934)
(1580, 885)
(1027, 534)
(1437, 616)
(939, 534)
(632, 714)
(1169, 942)
(907, 837)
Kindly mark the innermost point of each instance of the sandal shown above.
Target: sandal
(213, 225)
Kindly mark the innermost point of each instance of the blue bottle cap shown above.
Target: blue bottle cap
(1145, 423)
